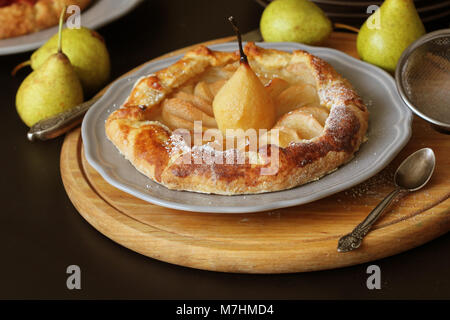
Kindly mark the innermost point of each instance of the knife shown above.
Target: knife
(61, 123)
(54, 127)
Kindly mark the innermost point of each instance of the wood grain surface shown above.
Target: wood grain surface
(297, 239)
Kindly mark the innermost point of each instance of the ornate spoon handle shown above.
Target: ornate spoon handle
(354, 239)
(61, 123)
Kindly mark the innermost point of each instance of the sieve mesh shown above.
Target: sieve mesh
(425, 78)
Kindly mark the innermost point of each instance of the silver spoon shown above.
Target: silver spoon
(412, 174)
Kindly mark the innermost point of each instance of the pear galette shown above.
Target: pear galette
(20, 17)
(315, 121)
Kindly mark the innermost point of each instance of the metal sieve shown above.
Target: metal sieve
(423, 78)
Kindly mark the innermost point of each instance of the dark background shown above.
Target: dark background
(41, 233)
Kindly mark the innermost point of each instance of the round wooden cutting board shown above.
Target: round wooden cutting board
(302, 238)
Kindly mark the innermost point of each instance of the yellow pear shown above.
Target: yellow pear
(243, 102)
(51, 89)
(87, 53)
(295, 21)
(388, 32)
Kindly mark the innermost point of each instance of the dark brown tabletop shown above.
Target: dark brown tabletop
(41, 233)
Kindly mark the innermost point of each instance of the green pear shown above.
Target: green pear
(294, 21)
(87, 52)
(388, 32)
(51, 89)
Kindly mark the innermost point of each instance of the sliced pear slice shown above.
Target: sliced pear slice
(320, 113)
(216, 86)
(202, 90)
(174, 122)
(189, 88)
(302, 71)
(198, 102)
(276, 86)
(295, 97)
(187, 111)
(305, 124)
(285, 137)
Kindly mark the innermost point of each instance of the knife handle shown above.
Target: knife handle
(61, 123)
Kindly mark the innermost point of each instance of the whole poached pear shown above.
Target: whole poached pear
(243, 102)
(52, 88)
(86, 51)
(382, 42)
(295, 21)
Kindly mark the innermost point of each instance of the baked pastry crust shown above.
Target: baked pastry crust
(20, 17)
(149, 144)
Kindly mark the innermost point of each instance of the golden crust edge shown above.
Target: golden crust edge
(325, 76)
(21, 19)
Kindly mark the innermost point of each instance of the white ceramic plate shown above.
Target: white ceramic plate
(389, 131)
(98, 14)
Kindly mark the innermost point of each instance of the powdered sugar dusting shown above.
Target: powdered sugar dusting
(374, 187)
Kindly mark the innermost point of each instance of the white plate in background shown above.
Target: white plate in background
(98, 14)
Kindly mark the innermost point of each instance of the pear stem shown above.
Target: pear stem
(61, 21)
(238, 33)
(345, 27)
(20, 66)
(263, 3)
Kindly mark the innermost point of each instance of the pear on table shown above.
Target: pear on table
(87, 52)
(294, 21)
(51, 89)
(243, 102)
(398, 26)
